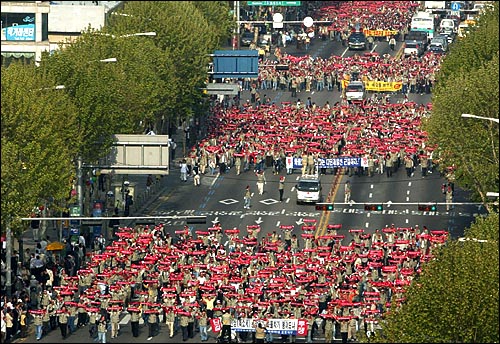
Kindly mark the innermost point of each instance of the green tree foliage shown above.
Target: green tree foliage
(39, 138)
(114, 97)
(217, 14)
(455, 300)
(468, 83)
(186, 33)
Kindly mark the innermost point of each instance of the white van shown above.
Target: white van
(447, 24)
(309, 189)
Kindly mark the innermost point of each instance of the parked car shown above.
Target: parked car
(443, 40)
(357, 40)
(436, 48)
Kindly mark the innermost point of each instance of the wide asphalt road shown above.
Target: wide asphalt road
(220, 198)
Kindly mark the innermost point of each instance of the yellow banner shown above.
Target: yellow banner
(380, 33)
(379, 86)
(383, 86)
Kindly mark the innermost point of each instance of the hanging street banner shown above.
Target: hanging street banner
(296, 327)
(273, 3)
(296, 162)
(378, 86)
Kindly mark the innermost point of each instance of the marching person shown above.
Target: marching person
(153, 324)
(247, 198)
(93, 317)
(347, 192)
(196, 178)
(203, 323)
(38, 322)
(115, 319)
(392, 43)
(169, 320)
(102, 328)
(261, 181)
(63, 322)
(281, 187)
(135, 315)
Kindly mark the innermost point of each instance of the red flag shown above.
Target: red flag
(216, 324)
(302, 328)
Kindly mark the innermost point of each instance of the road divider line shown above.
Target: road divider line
(325, 217)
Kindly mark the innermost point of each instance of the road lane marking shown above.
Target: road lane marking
(367, 225)
(371, 186)
(409, 184)
(370, 195)
(408, 192)
(344, 52)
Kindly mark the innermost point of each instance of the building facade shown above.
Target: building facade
(32, 27)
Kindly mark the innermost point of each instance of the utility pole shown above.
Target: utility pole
(79, 187)
(8, 257)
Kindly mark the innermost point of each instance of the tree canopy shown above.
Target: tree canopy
(455, 300)
(154, 82)
(39, 140)
(468, 83)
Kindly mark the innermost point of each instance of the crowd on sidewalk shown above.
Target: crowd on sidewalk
(184, 280)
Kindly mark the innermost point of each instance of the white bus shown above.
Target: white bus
(423, 21)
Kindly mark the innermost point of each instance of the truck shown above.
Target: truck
(435, 5)
(415, 43)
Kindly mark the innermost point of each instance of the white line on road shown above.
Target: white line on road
(409, 184)
(371, 186)
(125, 319)
(345, 51)
(373, 48)
(367, 224)
(287, 200)
(370, 195)
(406, 220)
(408, 192)
(407, 199)
(283, 211)
(278, 223)
(215, 179)
(368, 214)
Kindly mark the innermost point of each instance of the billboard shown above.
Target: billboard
(236, 64)
(137, 154)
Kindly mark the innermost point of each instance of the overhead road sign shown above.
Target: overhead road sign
(455, 6)
(273, 3)
(235, 64)
(222, 89)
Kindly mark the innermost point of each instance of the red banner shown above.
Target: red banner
(302, 328)
(216, 324)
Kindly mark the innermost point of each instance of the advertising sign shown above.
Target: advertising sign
(20, 33)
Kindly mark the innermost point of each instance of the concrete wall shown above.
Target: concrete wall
(67, 18)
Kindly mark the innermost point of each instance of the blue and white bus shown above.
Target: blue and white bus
(423, 21)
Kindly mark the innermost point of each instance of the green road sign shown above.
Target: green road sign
(74, 210)
(273, 3)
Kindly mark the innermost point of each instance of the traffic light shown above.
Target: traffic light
(427, 207)
(373, 207)
(324, 206)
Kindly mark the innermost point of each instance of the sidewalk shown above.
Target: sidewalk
(142, 199)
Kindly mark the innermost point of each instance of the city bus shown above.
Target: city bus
(423, 21)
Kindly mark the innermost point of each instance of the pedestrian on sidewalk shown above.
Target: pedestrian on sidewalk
(247, 198)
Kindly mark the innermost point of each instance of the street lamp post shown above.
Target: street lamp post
(468, 115)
